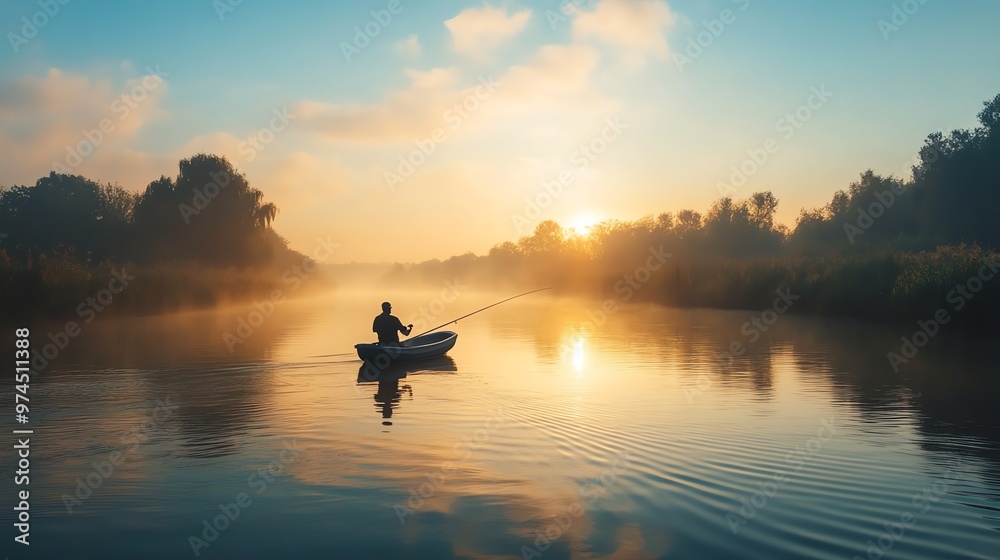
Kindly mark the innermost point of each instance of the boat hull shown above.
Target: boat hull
(423, 347)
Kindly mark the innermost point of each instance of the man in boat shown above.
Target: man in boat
(388, 327)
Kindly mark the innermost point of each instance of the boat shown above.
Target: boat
(421, 347)
(370, 373)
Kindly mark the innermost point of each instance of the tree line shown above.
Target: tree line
(885, 247)
(65, 233)
(208, 215)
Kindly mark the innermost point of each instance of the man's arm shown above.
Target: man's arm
(405, 330)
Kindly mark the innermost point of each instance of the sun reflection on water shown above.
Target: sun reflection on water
(578, 355)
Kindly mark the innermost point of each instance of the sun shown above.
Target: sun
(581, 224)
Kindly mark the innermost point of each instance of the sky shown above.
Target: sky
(408, 130)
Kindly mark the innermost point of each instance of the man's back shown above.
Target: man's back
(388, 328)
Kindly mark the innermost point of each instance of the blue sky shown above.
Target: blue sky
(561, 81)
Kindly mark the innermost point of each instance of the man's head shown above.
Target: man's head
(386, 307)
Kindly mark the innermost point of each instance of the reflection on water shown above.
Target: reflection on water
(387, 378)
(549, 431)
(388, 395)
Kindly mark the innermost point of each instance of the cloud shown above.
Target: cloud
(554, 83)
(77, 124)
(434, 79)
(554, 70)
(218, 143)
(636, 27)
(477, 31)
(300, 178)
(410, 46)
(402, 116)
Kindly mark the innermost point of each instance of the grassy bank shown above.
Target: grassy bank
(62, 286)
(881, 286)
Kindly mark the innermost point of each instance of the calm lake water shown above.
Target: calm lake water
(547, 433)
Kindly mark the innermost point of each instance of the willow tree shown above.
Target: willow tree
(209, 214)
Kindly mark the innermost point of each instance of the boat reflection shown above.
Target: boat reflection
(389, 392)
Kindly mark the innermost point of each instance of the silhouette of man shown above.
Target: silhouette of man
(388, 327)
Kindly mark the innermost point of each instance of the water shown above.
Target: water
(548, 432)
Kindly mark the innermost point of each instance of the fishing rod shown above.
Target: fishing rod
(483, 309)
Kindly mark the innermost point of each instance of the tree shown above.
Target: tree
(688, 223)
(210, 215)
(762, 207)
(990, 116)
(547, 239)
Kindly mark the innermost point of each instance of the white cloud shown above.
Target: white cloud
(58, 118)
(218, 143)
(636, 27)
(433, 79)
(410, 46)
(555, 83)
(402, 116)
(302, 177)
(554, 70)
(477, 31)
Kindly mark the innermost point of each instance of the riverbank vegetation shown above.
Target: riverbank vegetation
(201, 239)
(885, 248)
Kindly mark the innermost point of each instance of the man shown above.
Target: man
(388, 327)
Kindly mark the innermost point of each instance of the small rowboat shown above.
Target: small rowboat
(421, 347)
